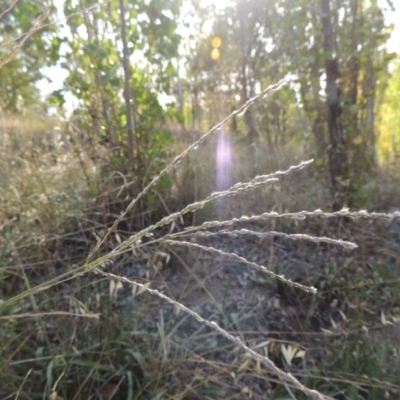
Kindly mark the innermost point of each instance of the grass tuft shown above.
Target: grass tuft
(87, 329)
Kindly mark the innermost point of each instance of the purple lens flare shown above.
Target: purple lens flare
(224, 166)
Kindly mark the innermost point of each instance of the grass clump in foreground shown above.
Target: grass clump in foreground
(67, 336)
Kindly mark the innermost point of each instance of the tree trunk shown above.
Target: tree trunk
(337, 150)
(127, 94)
(249, 116)
(94, 37)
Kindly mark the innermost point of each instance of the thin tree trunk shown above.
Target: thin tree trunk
(127, 94)
(315, 111)
(370, 118)
(337, 151)
(104, 100)
(249, 116)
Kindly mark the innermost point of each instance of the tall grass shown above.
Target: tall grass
(95, 265)
(134, 243)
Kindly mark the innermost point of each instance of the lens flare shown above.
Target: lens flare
(215, 54)
(224, 165)
(224, 161)
(216, 42)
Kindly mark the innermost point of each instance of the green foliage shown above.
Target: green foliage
(79, 354)
(96, 78)
(388, 121)
(111, 351)
(19, 76)
(264, 41)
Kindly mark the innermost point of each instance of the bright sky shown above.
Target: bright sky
(392, 17)
(57, 74)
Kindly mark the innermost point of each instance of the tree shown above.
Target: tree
(117, 70)
(246, 63)
(356, 60)
(337, 151)
(19, 76)
(333, 53)
(388, 121)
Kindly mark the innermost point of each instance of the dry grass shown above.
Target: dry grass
(196, 178)
(67, 333)
(73, 340)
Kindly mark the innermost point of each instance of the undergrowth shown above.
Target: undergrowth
(66, 335)
(76, 325)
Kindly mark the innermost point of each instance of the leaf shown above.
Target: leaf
(49, 373)
(115, 285)
(288, 353)
(111, 74)
(170, 69)
(343, 315)
(244, 365)
(143, 289)
(98, 300)
(300, 354)
(384, 320)
(262, 345)
(111, 288)
(396, 320)
(53, 395)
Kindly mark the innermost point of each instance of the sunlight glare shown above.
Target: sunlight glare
(219, 5)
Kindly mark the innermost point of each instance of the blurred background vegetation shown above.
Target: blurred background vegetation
(142, 76)
(100, 96)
